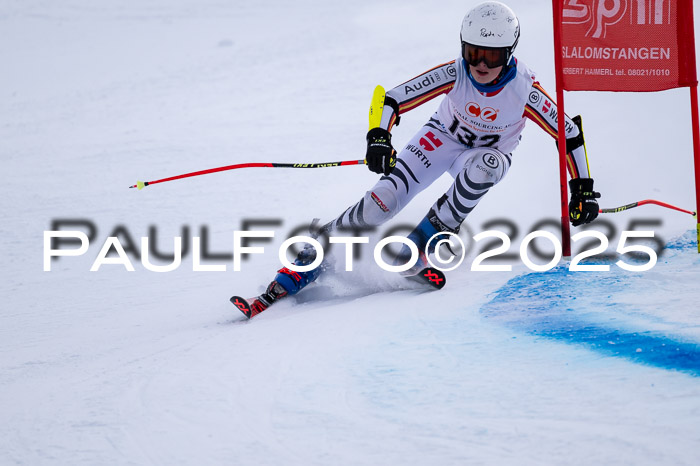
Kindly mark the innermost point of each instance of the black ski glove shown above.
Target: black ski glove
(381, 156)
(583, 207)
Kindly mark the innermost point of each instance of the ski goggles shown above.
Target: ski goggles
(493, 57)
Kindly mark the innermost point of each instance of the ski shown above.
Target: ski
(250, 307)
(243, 305)
(429, 276)
(254, 306)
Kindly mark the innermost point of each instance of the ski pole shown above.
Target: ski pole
(644, 202)
(142, 184)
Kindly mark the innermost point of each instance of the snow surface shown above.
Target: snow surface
(117, 367)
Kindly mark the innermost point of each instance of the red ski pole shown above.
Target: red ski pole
(645, 202)
(143, 184)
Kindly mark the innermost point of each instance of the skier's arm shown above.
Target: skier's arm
(381, 156)
(416, 92)
(541, 109)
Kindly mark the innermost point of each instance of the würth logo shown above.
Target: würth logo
(430, 142)
(599, 14)
(487, 114)
(546, 106)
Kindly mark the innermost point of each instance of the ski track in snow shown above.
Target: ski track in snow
(117, 367)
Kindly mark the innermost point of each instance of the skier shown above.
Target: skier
(489, 97)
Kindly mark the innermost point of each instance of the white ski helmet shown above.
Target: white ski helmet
(492, 25)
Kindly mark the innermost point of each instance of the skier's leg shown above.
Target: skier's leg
(424, 159)
(475, 172)
(428, 155)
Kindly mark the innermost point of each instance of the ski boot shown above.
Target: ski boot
(293, 282)
(426, 229)
(286, 283)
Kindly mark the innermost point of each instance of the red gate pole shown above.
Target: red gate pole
(561, 117)
(696, 151)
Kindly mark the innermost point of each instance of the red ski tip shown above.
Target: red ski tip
(243, 305)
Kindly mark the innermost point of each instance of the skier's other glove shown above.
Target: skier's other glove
(583, 207)
(381, 156)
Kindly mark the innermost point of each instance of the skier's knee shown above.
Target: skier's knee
(380, 205)
(489, 167)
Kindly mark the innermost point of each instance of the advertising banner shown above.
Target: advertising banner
(627, 45)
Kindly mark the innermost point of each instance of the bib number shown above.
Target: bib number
(468, 138)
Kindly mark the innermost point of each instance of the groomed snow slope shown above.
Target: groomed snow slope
(117, 367)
